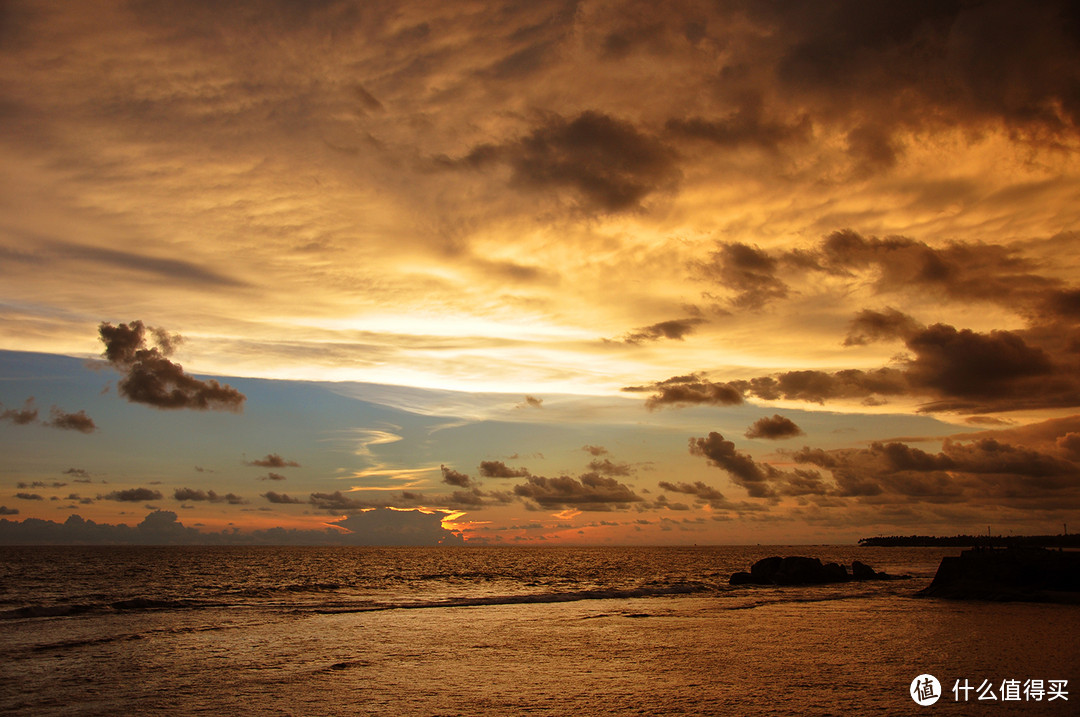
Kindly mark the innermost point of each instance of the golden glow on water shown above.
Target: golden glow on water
(584, 631)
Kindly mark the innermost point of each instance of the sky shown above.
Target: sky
(559, 272)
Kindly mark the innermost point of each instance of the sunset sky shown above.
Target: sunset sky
(583, 272)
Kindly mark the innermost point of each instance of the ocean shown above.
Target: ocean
(509, 631)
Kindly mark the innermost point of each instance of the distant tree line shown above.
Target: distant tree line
(1071, 540)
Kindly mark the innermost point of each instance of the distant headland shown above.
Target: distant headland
(1064, 540)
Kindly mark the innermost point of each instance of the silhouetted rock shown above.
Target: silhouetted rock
(762, 571)
(835, 573)
(862, 571)
(799, 570)
(1032, 574)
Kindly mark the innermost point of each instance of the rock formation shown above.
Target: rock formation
(1033, 574)
(798, 570)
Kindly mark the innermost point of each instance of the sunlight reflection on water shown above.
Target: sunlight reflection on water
(815, 650)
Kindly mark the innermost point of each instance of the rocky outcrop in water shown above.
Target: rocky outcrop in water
(1031, 574)
(799, 570)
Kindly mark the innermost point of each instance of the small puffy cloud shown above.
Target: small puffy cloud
(595, 450)
(21, 417)
(77, 421)
(273, 460)
(609, 468)
(498, 469)
(699, 490)
(209, 496)
(590, 491)
(774, 427)
(272, 476)
(455, 478)
(689, 391)
(531, 402)
(77, 472)
(152, 379)
(280, 498)
(28, 496)
(337, 502)
(190, 494)
(134, 495)
(745, 471)
(4, 510)
(676, 330)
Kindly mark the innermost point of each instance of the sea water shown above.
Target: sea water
(507, 631)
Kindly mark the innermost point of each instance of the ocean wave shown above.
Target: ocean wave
(128, 604)
(522, 599)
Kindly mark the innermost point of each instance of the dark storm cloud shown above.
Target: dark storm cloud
(273, 460)
(607, 163)
(161, 527)
(774, 427)
(21, 417)
(396, 527)
(964, 366)
(1070, 445)
(962, 272)
(676, 329)
(152, 379)
(77, 421)
(958, 271)
(820, 386)
(872, 149)
(498, 469)
(869, 326)
(747, 126)
(950, 369)
(455, 478)
(748, 271)
(133, 495)
(589, 492)
(281, 498)
(210, 496)
(986, 470)
(917, 63)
